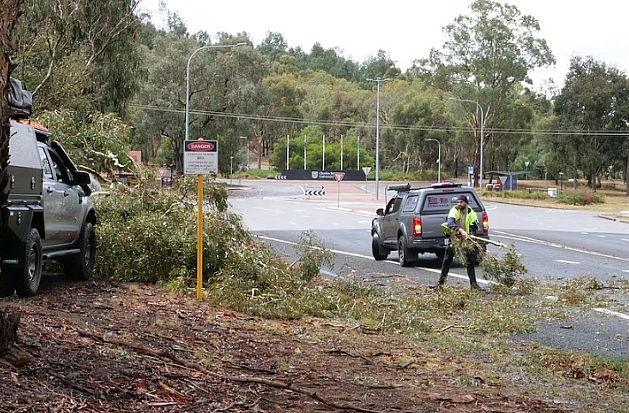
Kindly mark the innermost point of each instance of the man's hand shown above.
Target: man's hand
(463, 233)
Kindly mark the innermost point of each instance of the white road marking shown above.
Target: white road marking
(614, 313)
(522, 238)
(568, 262)
(351, 254)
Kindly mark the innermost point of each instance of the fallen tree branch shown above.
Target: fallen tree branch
(446, 328)
(339, 351)
(488, 241)
(239, 379)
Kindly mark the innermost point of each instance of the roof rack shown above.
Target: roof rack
(407, 187)
(445, 185)
(399, 188)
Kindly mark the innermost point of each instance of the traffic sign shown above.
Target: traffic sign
(200, 157)
(366, 170)
(338, 176)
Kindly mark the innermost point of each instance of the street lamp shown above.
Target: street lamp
(482, 121)
(378, 81)
(439, 160)
(212, 46)
(231, 168)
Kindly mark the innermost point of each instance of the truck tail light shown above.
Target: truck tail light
(417, 227)
(485, 224)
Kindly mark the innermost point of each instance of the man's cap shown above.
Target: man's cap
(463, 198)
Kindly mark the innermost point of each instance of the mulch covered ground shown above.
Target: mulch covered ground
(107, 347)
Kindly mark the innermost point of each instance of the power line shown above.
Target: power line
(556, 132)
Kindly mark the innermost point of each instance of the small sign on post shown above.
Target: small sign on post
(200, 157)
(366, 170)
(338, 177)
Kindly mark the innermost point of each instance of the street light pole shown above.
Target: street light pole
(439, 160)
(231, 168)
(211, 46)
(482, 121)
(378, 81)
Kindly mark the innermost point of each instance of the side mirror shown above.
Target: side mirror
(83, 180)
(380, 212)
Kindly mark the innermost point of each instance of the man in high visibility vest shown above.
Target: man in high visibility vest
(462, 220)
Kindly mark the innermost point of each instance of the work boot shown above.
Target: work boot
(471, 274)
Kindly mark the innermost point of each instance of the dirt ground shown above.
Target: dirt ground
(107, 347)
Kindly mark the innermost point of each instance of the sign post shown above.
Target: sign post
(338, 177)
(366, 170)
(200, 158)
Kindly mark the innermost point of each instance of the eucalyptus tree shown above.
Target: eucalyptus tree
(417, 113)
(594, 106)
(225, 89)
(486, 55)
(79, 55)
(274, 46)
(379, 66)
(336, 104)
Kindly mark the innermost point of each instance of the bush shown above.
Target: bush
(580, 197)
(150, 236)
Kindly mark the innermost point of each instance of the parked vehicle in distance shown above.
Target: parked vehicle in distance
(411, 221)
(48, 213)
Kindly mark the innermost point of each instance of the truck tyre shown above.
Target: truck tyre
(81, 266)
(406, 257)
(28, 277)
(376, 251)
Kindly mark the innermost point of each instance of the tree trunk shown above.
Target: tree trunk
(9, 322)
(627, 171)
(10, 11)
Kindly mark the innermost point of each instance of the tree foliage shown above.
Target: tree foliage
(486, 57)
(594, 100)
(82, 56)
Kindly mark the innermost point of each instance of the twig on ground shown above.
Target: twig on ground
(239, 379)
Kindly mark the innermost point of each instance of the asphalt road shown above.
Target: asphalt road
(555, 245)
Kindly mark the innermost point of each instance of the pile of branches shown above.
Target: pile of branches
(505, 269)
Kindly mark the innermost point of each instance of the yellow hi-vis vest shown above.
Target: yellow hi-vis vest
(456, 215)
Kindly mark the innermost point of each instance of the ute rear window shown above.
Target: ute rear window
(411, 203)
(442, 203)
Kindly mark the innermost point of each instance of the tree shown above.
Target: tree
(595, 101)
(80, 54)
(486, 56)
(9, 15)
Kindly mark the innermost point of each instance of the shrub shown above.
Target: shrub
(150, 236)
(506, 270)
(580, 197)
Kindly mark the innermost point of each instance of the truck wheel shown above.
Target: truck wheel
(376, 251)
(405, 255)
(81, 266)
(28, 277)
